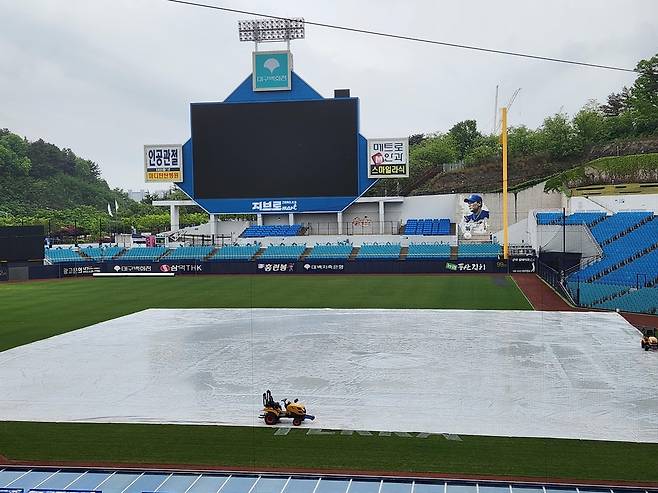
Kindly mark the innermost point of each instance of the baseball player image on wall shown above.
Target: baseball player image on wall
(476, 217)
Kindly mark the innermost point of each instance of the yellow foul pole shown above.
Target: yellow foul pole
(504, 143)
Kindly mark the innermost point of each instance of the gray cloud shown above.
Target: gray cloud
(107, 76)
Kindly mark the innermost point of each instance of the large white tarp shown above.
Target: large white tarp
(508, 373)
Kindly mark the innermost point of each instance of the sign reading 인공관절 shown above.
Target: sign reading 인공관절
(163, 163)
(388, 158)
(272, 70)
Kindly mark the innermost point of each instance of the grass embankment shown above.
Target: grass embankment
(37, 310)
(260, 448)
(635, 168)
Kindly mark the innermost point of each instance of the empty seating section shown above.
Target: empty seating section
(548, 217)
(271, 230)
(143, 253)
(236, 253)
(587, 294)
(637, 272)
(427, 227)
(100, 254)
(636, 300)
(379, 252)
(474, 250)
(58, 255)
(587, 218)
(594, 268)
(617, 224)
(283, 252)
(341, 251)
(431, 251)
(189, 253)
(621, 253)
(625, 276)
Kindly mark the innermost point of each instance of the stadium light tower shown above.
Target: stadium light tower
(271, 30)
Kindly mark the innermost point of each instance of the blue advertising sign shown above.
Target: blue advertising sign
(271, 71)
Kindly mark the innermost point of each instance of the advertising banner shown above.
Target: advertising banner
(388, 158)
(276, 267)
(475, 217)
(522, 264)
(163, 163)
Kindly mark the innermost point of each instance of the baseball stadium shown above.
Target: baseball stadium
(341, 341)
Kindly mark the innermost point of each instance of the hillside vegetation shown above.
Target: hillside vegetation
(43, 184)
(626, 124)
(636, 168)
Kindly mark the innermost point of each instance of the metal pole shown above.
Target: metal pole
(505, 205)
(564, 242)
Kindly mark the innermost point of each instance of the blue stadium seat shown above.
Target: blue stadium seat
(379, 252)
(283, 252)
(427, 227)
(60, 255)
(479, 250)
(240, 253)
(143, 253)
(423, 251)
(271, 230)
(330, 252)
(189, 253)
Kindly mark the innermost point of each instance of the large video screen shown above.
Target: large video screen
(21, 243)
(277, 150)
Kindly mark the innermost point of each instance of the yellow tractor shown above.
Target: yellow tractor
(649, 340)
(273, 411)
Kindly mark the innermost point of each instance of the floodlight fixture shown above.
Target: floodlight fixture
(267, 29)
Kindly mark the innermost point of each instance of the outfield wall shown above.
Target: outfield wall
(308, 267)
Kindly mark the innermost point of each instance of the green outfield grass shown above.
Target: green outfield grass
(35, 310)
(543, 459)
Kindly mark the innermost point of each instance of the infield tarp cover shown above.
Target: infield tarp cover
(509, 373)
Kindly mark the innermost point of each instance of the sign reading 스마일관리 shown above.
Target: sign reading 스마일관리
(388, 158)
(163, 163)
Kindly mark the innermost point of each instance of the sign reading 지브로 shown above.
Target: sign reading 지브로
(388, 158)
(163, 163)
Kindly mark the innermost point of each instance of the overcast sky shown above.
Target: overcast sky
(105, 77)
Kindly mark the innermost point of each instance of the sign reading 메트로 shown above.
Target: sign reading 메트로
(272, 71)
(163, 163)
(388, 158)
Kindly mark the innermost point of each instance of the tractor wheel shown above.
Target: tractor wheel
(271, 419)
(297, 421)
(646, 348)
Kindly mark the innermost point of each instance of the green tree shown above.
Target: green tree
(484, 148)
(590, 126)
(558, 137)
(464, 134)
(522, 141)
(416, 139)
(643, 99)
(13, 155)
(434, 150)
(617, 103)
